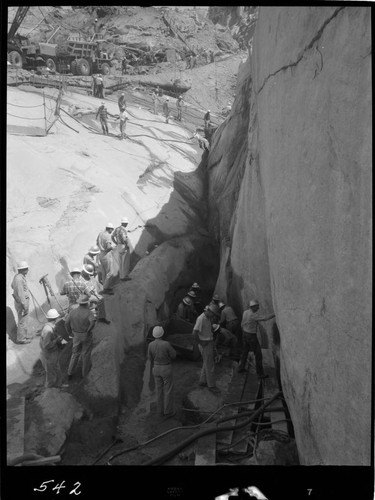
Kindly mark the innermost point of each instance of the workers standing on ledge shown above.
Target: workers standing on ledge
(121, 239)
(106, 245)
(49, 351)
(161, 354)
(74, 288)
(166, 109)
(103, 116)
(202, 334)
(250, 342)
(21, 301)
(79, 324)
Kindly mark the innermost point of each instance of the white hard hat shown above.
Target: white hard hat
(180, 97)
(215, 327)
(254, 302)
(208, 111)
(94, 250)
(103, 102)
(124, 220)
(158, 332)
(195, 285)
(221, 304)
(110, 225)
(167, 99)
(122, 93)
(23, 265)
(83, 299)
(52, 314)
(192, 293)
(187, 301)
(75, 270)
(88, 269)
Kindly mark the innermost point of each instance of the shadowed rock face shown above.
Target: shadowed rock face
(290, 198)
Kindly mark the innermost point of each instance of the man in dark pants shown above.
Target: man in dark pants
(103, 115)
(250, 342)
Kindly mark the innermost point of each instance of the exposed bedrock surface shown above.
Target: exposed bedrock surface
(290, 205)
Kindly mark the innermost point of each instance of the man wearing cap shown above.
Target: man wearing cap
(21, 301)
(161, 354)
(105, 244)
(166, 109)
(49, 350)
(92, 258)
(223, 337)
(229, 320)
(250, 342)
(74, 288)
(79, 324)
(186, 310)
(197, 299)
(103, 116)
(179, 104)
(122, 101)
(95, 288)
(121, 239)
(203, 335)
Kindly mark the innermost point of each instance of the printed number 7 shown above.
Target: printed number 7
(43, 485)
(309, 490)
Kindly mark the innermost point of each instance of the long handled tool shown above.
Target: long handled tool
(48, 288)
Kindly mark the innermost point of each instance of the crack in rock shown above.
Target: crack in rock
(308, 47)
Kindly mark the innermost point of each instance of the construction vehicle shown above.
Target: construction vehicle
(75, 56)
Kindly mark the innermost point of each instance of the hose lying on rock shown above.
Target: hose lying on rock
(171, 453)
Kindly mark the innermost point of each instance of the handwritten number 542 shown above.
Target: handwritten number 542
(58, 487)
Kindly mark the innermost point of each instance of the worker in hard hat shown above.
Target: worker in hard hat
(103, 116)
(223, 338)
(95, 288)
(79, 324)
(166, 109)
(49, 350)
(186, 310)
(124, 117)
(202, 141)
(105, 244)
(121, 239)
(74, 287)
(229, 319)
(92, 258)
(207, 119)
(124, 65)
(197, 299)
(161, 354)
(202, 334)
(250, 342)
(21, 301)
(121, 101)
(155, 101)
(179, 104)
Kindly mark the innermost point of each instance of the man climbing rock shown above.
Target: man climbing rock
(179, 104)
(121, 239)
(105, 244)
(21, 301)
(186, 310)
(203, 335)
(103, 116)
(121, 101)
(92, 258)
(95, 288)
(49, 351)
(229, 319)
(166, 109)
(250, 342)
(74, 288)
(161, 354)
(79, 324)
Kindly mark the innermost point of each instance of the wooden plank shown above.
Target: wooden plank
(15, 427)
(205, 449)
(270, 389)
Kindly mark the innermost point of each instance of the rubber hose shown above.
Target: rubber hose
(245, 414)
(169, 454)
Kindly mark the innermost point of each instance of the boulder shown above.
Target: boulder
(56, 410)
(277, 453)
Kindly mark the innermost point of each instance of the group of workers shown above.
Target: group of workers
(86, 306)
(123, 116)
(215, 325)
(191, 59)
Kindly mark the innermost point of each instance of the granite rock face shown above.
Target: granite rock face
(290, 205)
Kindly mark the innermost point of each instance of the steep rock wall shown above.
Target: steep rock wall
(294, 210)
